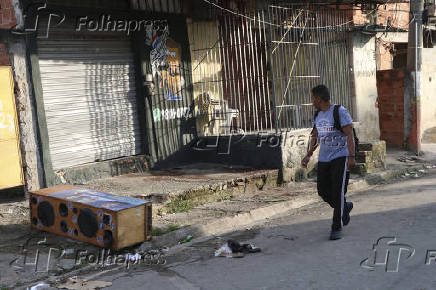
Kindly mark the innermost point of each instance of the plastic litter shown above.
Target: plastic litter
(224, 251)
(133, 258)
(39, 286)
(187, 239)
(233, 249)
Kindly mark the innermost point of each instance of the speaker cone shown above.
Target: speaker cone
(87, 222)
(46, 214)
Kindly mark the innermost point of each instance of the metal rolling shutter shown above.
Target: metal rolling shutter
(89, 100)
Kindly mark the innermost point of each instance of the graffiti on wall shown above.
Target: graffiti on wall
(165, 58)
(170, 114)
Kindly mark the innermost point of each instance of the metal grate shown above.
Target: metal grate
(309, 47)
(255, 69)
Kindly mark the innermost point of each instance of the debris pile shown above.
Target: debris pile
(233, 249)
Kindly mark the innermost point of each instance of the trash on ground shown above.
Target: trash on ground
(422, 171)
(133, 258)
(39, 286)
(68, 252)
(187, 239)
(224, 251)
(233, 249)
(76, 283)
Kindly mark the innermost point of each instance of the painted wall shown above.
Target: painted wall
(364, 68)
(428, 96)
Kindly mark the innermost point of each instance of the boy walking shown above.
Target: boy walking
(336, 156)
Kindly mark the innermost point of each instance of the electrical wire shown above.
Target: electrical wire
(239, 14)
(273, 24)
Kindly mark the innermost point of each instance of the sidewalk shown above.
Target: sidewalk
(198, 201)
(254, 205)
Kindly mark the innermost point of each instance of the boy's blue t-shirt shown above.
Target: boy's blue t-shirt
(332, 142)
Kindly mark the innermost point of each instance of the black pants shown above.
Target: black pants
(332, 185)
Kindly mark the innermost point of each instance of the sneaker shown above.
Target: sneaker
(336, 234)
(347, 209)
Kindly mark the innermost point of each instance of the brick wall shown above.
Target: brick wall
(398, 13)
(7, 21)
(390, 88)
(384, 55)
(7, 14)
(4, 55)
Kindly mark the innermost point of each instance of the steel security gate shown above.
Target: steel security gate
(89, 99)
(260, 65)
(309, 46)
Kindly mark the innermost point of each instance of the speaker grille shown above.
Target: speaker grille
(46, 214)
(107, 239)
(88, 223)
(63, 210)
(149, 223)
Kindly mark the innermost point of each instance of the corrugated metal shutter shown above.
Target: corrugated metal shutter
(89, 100)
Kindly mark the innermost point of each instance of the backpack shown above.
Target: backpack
(337, 125)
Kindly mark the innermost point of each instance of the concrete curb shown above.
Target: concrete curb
(216, 191)
(387, 175)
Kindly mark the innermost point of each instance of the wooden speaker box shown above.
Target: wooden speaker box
(105, 220)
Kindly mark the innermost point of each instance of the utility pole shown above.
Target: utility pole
(412, 100)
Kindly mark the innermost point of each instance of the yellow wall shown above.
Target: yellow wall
(206, 69)
(11, 173)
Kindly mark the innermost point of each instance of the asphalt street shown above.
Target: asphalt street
(390, 243)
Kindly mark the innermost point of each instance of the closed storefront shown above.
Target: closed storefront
(89, 98)
(109, 84)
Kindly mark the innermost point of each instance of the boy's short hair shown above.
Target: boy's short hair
(321, 91)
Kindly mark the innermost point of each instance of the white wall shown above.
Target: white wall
(428, 96)
(364, 63)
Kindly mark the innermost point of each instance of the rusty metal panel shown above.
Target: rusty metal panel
(11, 173)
